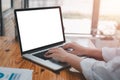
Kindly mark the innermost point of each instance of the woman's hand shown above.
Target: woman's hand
(62, 55)
(74, 48)
(57, 53)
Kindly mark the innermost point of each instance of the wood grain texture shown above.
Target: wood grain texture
(10, 57)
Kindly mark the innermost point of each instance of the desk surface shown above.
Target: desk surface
(10, 57)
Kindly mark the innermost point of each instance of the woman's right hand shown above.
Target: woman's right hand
(74, 48)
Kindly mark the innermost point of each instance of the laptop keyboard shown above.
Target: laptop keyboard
(41, 55)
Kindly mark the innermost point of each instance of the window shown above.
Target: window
(109, 17)
(77, 16)
(84, 16)
(43, 3)
(6, 4)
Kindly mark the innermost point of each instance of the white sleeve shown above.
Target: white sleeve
(110, 53)
(99, 70)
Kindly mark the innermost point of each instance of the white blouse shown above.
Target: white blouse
(103, 70)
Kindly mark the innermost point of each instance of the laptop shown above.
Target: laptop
(40, 29)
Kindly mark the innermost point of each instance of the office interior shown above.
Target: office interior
(98, 20)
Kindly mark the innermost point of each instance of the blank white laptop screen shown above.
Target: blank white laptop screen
(38, 28)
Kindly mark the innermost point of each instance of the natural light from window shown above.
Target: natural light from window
(6, 4)
(110, 7)
(77, 16)
(109, 17)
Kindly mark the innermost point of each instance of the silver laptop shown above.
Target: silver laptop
(40, 29)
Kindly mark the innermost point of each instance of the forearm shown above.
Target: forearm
(74, 61)
(95, 53)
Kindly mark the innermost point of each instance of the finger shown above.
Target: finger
(69, 45)
(46, 54)
(49, 55)
(52, 50)
(73, 52)
(66, 46)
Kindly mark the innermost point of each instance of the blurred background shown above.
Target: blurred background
(88, 18)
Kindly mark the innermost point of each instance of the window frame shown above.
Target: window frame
(1, 21)
(95, 17)
(26, 3)
(1, 16)
(11, 6)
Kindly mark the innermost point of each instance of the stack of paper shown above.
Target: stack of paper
(15, 74)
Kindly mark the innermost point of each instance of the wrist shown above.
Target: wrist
(70, 58)
(66, 57)
(83, 51)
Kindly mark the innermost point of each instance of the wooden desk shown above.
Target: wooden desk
(10, 57)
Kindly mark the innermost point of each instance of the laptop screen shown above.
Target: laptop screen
(39, 27)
